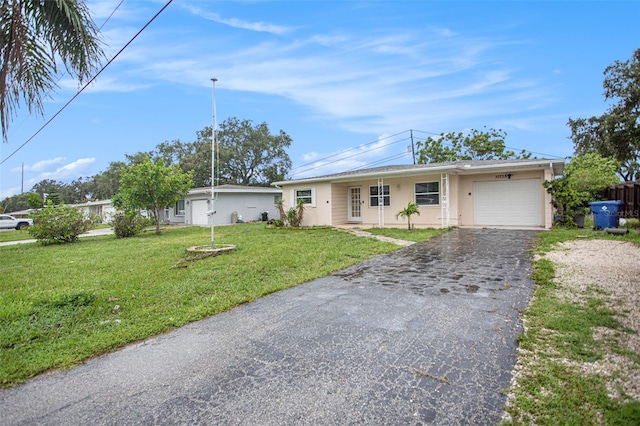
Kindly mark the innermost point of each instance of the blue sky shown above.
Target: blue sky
(346, 80)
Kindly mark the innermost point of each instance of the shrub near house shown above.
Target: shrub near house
(59, 224)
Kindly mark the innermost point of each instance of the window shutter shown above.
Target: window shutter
(313, 197)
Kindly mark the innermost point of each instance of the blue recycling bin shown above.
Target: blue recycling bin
(605, 213)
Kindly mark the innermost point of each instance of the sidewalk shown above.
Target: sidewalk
(91, 233)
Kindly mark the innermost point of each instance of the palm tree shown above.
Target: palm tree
(410, 210)
(33, 35)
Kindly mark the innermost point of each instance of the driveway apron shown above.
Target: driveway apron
(423, 335)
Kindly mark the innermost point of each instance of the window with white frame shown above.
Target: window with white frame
(374, 197)
(178, 209)
(305, 195)
(427, 193)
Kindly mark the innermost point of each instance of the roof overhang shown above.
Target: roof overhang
(236, 190)
(556, 166)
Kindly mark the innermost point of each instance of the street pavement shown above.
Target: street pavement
(423, 335)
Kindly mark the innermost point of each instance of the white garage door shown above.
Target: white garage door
(199, 212)
(508, 203)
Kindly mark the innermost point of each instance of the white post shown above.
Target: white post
(213, 162)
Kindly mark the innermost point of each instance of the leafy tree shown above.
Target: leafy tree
(410, 210)
(584, 179)
(78, 191)
(251, 155)
(616, 133)
(34, 36)
(477, 145)
(104, 186)
(17, 203)
(152, 187)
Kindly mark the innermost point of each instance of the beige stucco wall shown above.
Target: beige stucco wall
(401, 191)
(332, 200)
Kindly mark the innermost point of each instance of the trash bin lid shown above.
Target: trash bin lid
(606, 203)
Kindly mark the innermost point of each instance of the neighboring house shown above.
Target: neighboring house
(22, 213)
(488, 193)
(101, 208)
(231, 204)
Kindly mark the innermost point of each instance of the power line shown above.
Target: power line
(347, 157)
(384, 160)
(63, 73)
(347, 150)
(88, 83)
(507, 147)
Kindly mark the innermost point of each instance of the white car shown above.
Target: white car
(10, 222)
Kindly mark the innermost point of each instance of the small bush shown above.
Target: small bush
(58, 224)
(128, 224)
(276, 223)
(632, 223)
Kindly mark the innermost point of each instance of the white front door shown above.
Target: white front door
(355, 204)
(199, 210)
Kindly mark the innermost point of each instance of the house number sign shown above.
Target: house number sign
(505, 176)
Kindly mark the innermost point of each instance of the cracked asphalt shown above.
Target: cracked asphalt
(423, 335)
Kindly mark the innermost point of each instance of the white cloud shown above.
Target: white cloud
(72, 169)
(67, 171)
(239, 23)
(40, 166)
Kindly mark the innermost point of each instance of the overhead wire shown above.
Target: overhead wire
(88, 83)
(64, 72)
(348, 150)
(507, 147)
(324, 164)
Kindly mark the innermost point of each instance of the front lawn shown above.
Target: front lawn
(13, 235)
(558, 379)
(416, 235)
(62, 304)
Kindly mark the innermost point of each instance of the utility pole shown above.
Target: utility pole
(212, 209)
(413, 148)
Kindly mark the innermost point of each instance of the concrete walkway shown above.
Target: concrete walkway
(90, 233)
(423, 335)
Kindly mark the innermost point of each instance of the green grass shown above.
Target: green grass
(13, 235)
(550, 391)
(62, 304)
(415, 235)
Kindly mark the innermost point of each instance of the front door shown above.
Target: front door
(355, 204)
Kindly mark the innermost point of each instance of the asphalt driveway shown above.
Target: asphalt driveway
(424, 335)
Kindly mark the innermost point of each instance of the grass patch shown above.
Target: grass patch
(62, 304)
(14, 235)
(552, 389)
(416, 235)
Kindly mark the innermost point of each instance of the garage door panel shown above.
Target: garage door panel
(508, 203)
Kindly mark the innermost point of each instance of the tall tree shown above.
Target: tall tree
(105, 185)
(251, 155)
(34, 36)
(616, 133)
(477, 145)
(151, 186)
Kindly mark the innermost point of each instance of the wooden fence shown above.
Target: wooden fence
(629, 192)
